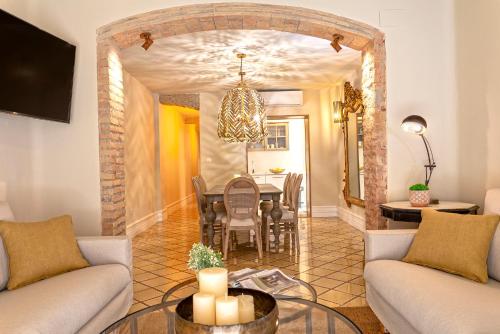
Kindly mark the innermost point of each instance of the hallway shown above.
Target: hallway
(331, 259)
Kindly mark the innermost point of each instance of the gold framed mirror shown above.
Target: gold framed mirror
(352, 128)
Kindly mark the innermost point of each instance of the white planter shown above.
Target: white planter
(420, 198)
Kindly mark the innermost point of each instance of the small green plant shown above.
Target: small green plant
(201, 257)
(419, 187)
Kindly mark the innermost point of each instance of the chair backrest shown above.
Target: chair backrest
(241, 198)
(285, 187)
(200, 198)
(295, 194)
(289, 188)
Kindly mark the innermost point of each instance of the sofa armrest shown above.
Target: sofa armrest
(106, 250)
(387, 244)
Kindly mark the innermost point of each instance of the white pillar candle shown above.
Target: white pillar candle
(226, 311)
(204, 308)
(246, 308)
(214, 281)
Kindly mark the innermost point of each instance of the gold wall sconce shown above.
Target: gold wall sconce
(148, 41)
(336, 39)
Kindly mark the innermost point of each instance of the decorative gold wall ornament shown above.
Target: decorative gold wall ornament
(242, 116)
(353, 104)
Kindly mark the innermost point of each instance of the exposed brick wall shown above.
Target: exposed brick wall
(222, 16)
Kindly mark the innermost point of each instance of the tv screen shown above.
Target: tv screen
(36, 71)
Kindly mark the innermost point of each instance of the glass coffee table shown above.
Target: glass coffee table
(298, 313)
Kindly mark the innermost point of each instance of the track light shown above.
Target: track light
(336, 39)
(148, 41)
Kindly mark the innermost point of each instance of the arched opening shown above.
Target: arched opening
(204, 17)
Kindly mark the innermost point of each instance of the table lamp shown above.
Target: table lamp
(417, 125)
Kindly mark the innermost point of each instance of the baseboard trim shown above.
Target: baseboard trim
(353, 219)
(324, 211)
(142, 224)
(167, 210)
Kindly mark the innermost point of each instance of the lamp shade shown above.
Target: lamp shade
(242, 116)
(414, 124)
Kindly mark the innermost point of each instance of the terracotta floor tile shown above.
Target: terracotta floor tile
(353, 289)
(331, 256)
(327, 282)
(137, 307)
(337, 297)
(147, 294)
(356, 302)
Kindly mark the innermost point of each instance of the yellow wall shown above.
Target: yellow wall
(179, 152)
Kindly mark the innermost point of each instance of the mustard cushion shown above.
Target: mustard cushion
(40, 250)
(454, 243)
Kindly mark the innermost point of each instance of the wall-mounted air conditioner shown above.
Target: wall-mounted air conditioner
(292, 98)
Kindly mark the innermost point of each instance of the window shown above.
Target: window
(277, 140)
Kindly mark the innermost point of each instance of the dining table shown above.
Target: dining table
(268, 192)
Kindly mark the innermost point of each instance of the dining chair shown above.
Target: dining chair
(289, 222)
(241, 199)
(200, 187)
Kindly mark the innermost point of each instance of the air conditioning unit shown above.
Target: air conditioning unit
(291, 98)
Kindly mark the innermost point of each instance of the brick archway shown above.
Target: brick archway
(222, 16)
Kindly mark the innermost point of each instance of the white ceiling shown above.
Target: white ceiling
(206, 61)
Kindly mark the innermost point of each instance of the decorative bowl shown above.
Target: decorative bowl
(266, 316)
(277, 170)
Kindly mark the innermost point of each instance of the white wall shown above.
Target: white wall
(53, 168)
(478, 49)
(219, 161)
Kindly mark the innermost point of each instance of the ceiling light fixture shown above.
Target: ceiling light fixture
(148, 41)
(336, 39)
(242, 116)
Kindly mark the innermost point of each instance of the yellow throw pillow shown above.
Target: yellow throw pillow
(454, 243)
(40, 250)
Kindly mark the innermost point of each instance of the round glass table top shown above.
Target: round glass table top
(296, 315)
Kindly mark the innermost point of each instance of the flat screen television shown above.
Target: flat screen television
(36, 71)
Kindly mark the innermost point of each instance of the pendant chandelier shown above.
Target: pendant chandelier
(242, 117)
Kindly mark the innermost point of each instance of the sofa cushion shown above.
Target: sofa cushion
(63, 303)
(455, 243)
(433, 301)
(40, 250)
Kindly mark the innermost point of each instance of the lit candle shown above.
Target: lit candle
(204, 308)
(226, 311)
(213, 281)
(246, 308)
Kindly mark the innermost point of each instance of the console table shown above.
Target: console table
(404, 212)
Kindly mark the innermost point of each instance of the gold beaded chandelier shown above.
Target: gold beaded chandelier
(242, 117)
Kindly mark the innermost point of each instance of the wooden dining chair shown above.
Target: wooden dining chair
(289, 222)
(200, 187)
(241, 199)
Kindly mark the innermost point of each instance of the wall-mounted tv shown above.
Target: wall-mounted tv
(36, 71)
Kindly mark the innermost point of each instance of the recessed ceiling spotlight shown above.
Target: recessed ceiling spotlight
(148, 41)
(336, 38)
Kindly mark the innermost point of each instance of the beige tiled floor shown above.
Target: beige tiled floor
(331, 258)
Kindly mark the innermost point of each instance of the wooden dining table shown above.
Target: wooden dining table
(268, 192)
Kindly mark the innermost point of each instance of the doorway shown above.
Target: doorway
(287, 148)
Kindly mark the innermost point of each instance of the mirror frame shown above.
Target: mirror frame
(353, 104)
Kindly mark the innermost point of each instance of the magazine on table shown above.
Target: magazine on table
(271, 281)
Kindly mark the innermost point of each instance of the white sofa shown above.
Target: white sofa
(82, 301)
(411, 299)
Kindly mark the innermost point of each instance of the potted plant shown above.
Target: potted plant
(420, 195)
(201, 257)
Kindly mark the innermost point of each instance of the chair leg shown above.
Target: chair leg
(258, 236)
(226, 243)
(266, 236)
(296, 236)
(222, 234)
